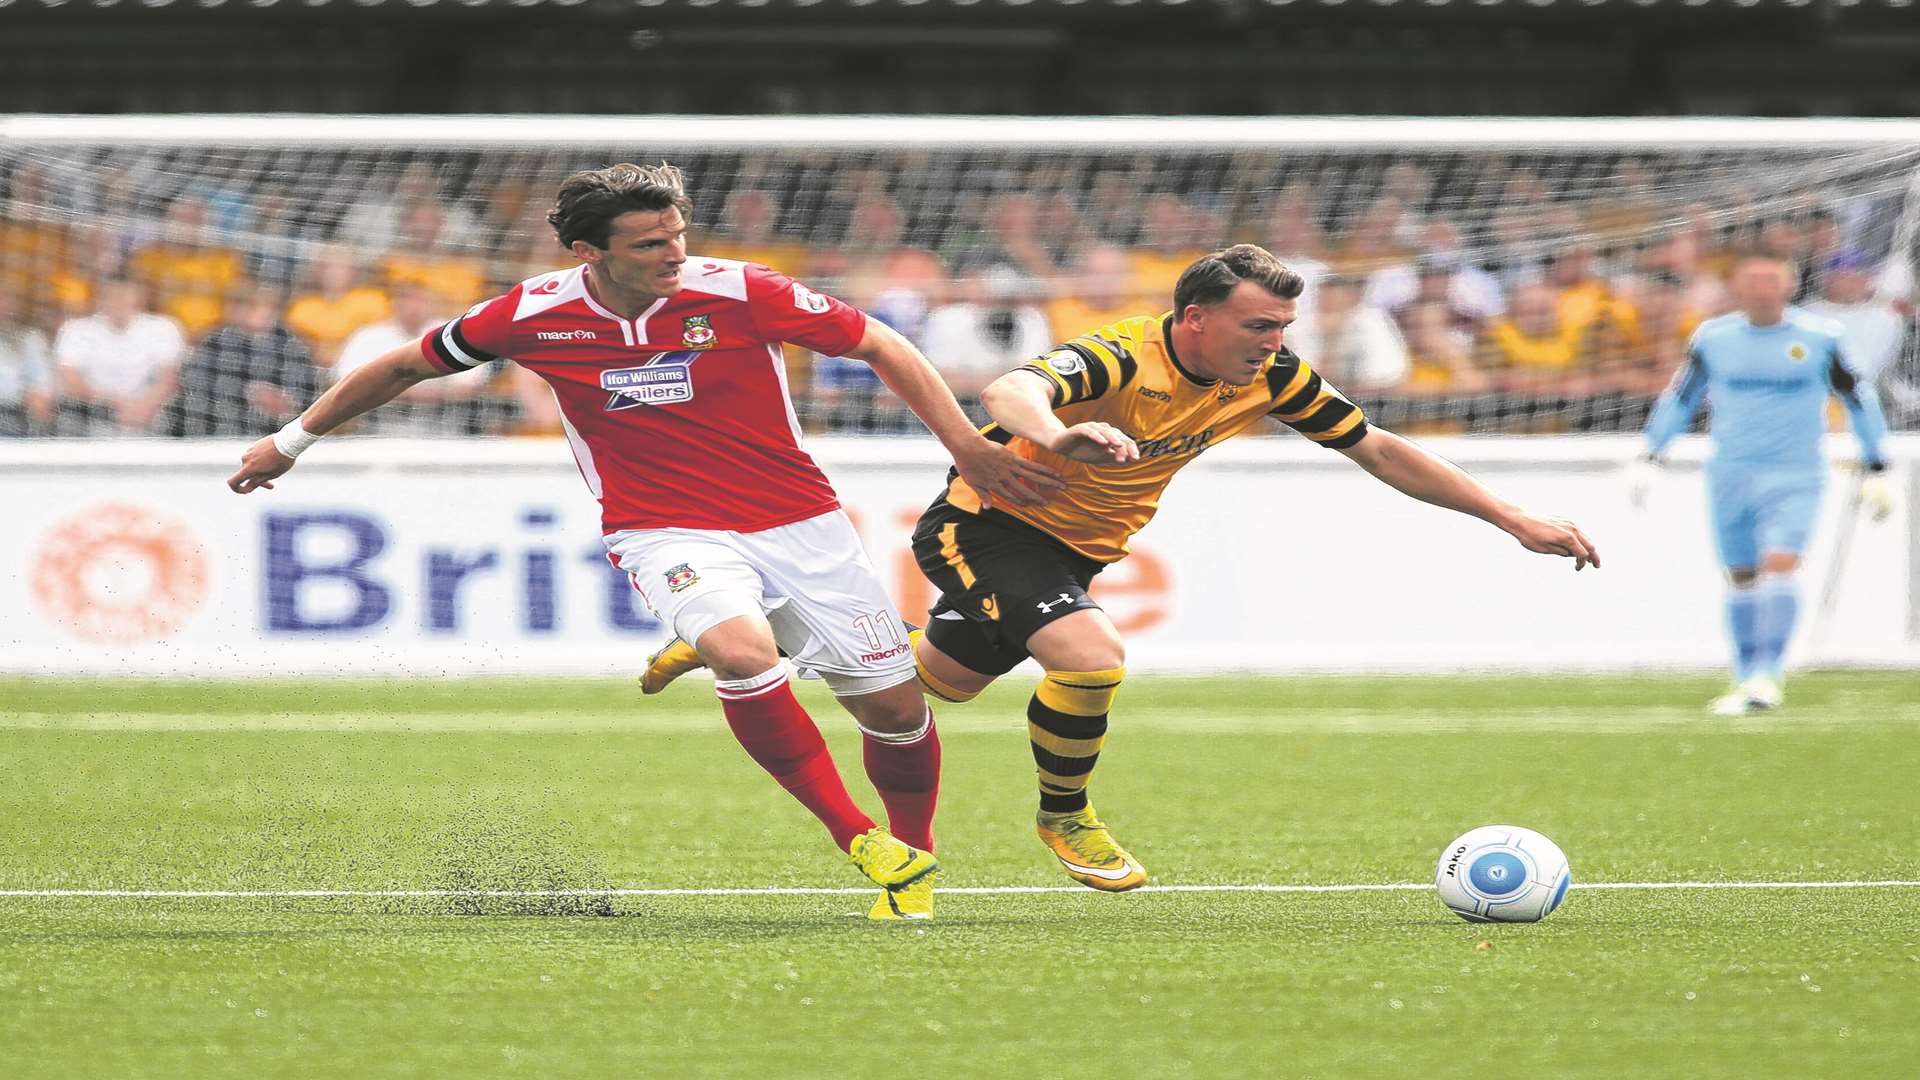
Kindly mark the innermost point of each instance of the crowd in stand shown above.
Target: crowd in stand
(222, 313)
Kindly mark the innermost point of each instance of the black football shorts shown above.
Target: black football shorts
(1000, 579)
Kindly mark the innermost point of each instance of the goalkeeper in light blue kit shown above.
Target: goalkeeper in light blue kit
(1767, 371)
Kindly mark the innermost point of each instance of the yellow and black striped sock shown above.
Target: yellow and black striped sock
(1067, 723)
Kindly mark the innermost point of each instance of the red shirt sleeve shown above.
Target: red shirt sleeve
(478, 337)
(785, 310)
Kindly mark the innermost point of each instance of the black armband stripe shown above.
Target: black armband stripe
(1301, 399)
(459, 335)
(1281, 372)
(1122, 358)
(437, 341)
(1343, 442)
(1324, 418)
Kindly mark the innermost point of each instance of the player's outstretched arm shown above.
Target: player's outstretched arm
(1415, 471)
(1022, 402)
(364, 389)
(994, 471)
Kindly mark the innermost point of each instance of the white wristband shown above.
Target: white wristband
(293, 439)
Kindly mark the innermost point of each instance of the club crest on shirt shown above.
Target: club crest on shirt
(1066, 362)
(1796, 352)
(679, 577)
(807, 300)
(1227, 393)
(696, 331)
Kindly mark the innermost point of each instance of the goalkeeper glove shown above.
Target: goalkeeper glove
(1642, 473)
(1876, 492)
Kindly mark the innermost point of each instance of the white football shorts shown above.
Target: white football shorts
(811, 580)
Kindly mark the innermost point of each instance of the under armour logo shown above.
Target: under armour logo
(1047, 606)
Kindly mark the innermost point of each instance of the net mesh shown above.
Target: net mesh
(1450, 290)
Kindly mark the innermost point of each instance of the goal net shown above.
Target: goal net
(1464, 276)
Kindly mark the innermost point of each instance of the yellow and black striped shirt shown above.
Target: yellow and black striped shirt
(1126, 374)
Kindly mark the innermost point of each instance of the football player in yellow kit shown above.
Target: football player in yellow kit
(1117, 412)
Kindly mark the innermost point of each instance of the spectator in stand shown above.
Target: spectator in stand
(983, 337)
(26, 372)
(1353, 345)
(1113, 208)
(1174, 235)
(93, 256)
(1821, 241)
(1009, 235)
(1582, 295)
(1370, 242)
(249, 377)
(420, 256)
(1439, 355)
(442, 406)
(373, 222)
(1410, 187)
(33, 246)
(1059, 230)
(1533, 350)
(1683, 255)
(1644, 340)
(274, 250)
(1894, 284)
(875, 245)
(748, 234)
(117, 366)
(1471, 295)
(1098, 292)
(1872, 332)
(335, 303)
(188, 275)
(847, 396)
(1291, 230)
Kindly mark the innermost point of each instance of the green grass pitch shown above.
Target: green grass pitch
(578, 785)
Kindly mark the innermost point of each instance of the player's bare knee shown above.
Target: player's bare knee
(1780, 562)
(737, 649)
(1083, 641)
(895, 711)
(1742, 577)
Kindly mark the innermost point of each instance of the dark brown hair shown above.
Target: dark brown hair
(589, 201)
(1212, 277)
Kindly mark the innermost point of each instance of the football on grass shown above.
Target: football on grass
(1502, 873)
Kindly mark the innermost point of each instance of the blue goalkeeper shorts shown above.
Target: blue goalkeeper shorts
(1756, 511)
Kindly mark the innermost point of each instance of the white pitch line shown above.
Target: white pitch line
(557, 894)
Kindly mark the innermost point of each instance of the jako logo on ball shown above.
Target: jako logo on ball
(119, 573)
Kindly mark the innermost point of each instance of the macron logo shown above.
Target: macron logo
(565, 335)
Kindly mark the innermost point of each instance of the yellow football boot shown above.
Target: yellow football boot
(889, 861)
(1088, 852)
(674, 659)
(906, 903)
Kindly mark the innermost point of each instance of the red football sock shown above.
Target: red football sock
(780, 735)
(907, 776)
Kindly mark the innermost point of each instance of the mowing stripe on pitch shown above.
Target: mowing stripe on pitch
(990, 890)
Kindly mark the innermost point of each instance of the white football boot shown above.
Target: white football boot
(1732, 703)
(1763, 692)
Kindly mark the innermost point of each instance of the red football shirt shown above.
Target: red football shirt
(679, 418)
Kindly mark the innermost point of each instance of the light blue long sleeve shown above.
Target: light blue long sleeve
(1679, 403)
(1863, 411)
